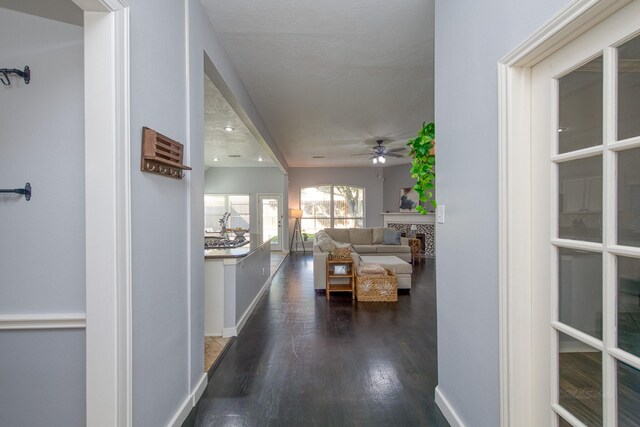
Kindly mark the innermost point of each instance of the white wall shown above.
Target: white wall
(42, 241)
(471, 37)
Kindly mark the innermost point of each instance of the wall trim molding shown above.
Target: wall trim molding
(447, 410)
(13, 322)
(185, 408)
(517, 376)
(108, 213)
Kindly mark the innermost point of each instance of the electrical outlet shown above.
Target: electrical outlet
(440, 214)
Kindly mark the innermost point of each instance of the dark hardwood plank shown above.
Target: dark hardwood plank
(302, 360)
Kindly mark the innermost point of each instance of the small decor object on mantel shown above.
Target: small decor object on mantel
(161, 155)
(424, 163)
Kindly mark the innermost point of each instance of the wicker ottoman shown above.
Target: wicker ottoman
(377, 288)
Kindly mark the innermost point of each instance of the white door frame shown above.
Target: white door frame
(107, 212)
(280, 198)
(516, 317)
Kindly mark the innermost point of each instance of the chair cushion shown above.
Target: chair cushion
(392, 237)
(361, 236)
(378, 235)
(397, 249)
(365, 249)
(338, 234)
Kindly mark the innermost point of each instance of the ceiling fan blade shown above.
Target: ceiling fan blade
(395, 150)
(362, 154)
(393, 155)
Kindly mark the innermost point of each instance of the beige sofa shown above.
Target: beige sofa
(364, 241)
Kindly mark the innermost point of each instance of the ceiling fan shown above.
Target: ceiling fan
(380, 152)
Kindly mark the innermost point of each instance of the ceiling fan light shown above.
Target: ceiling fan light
(375, 160)
(381, 159)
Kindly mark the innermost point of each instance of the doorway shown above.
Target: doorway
(270, 219)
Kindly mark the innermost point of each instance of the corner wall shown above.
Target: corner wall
(471, 37)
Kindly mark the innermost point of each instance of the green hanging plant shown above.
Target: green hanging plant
(424, 164)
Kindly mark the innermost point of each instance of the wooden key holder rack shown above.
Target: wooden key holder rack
(162, 155)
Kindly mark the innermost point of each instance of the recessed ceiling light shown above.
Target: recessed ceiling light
(259, 158)
(561, 129)
(228, 128)
(235, 156)
(215, 159)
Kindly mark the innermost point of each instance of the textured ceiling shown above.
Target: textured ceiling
(220, 144)
(330, 77)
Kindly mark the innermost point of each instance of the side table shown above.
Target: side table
(415, 250)
(340, 269)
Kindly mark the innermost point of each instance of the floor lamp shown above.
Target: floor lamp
(297, 230)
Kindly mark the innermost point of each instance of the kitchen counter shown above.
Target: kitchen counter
(255, 243)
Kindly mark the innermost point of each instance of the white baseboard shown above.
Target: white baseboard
(447, 410)
(191, 401)
(43, 321)
(229, 332)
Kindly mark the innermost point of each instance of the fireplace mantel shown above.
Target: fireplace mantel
(408, 218)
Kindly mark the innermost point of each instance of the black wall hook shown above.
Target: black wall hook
(25, 74)
(26, 191)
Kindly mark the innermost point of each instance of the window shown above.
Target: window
(215, 205)
(331, 206)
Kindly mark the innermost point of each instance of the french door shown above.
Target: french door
(585, 158)
(270, 219)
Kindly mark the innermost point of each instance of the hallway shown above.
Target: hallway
(302, 361)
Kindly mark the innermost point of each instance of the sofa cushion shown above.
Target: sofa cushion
(378, 235)
(395, 249)
(392, 237)
(338, 234)
(365, 249)
(361, 236)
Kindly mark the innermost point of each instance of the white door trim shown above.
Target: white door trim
(107, 213)
(515, 208)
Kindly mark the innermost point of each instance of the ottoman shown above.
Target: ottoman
(402, 268)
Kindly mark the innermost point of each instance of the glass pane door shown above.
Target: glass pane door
(586, 135)
(270, 214)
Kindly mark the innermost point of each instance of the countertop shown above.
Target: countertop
(255, 242)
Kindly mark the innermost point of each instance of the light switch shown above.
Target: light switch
(440, 214)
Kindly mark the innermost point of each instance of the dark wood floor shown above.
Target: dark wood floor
(303, 361)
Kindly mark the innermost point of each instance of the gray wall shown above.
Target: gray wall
(249, 181)
(42, 241)
(361, 177)
(167, 214)
(471, 37)
(395, 178)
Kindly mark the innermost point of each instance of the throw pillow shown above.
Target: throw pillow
(343, 245)
(342, 253)
(378, 235)
(391, 237)
(325, 243)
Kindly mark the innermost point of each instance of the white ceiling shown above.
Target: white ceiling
(329, 77)
(219, 143)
